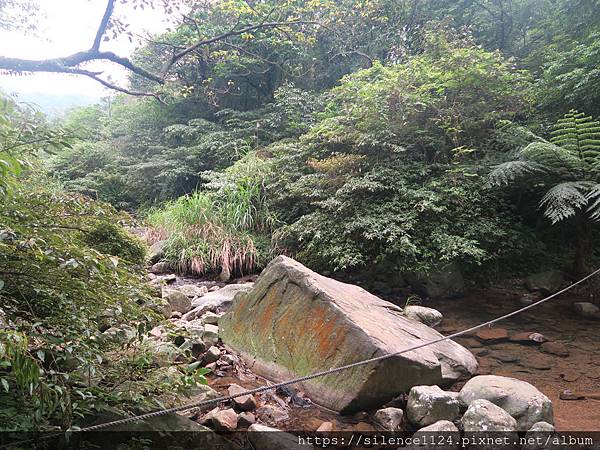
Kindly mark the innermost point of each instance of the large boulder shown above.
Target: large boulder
(296, 322)
(266, 438)
(545, 282)
(518, 398)
(443, 282)
(178, 300)
(156, 252)
(216, 301)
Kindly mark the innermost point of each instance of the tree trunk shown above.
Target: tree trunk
(583, 247)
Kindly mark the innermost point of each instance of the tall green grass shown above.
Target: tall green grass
(225, 229)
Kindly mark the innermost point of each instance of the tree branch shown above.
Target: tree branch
(103, 24)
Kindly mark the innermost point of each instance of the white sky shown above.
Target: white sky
(65, 27)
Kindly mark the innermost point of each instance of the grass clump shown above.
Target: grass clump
(222, 230)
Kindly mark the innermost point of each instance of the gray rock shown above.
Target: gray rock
(216, 301)
(156, 252)
(160, 268)
(212, 355)
(518, 398)
(483, 417)
(163, 353)
(295, 316)
(178, 300)
(192, 290)
(546, 282)
(587, 310)
(445, 282)
(429, 316)
(244, 402)
(210, 335)
(210, 318)
(429, 404)
(272, 415)
(542, 436)
(441, 435)
(388, 419)
(267, 438)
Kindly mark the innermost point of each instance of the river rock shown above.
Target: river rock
(192, 290)
(429, 404)
(295, 322)
(441, 435)
(246, 419)
(160, 268)
(539, 434)
(547, 282)
(587, 310)
(178, 300)
(272, 415)
(483, 417)
(244, 402)
(267, 438)
(429, 316)
(444, 282)
(156, 252)
(492, 334)
(212, 355)
(555, 348)
(225, 420)
(389, 419)
(518, 398)
(527, 337)
(216, 301)
(210, 335)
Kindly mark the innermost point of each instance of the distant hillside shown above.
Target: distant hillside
(57, 104)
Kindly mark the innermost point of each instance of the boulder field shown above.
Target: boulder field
(295, 322)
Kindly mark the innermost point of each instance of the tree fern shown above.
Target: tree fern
(565, 200)
(510, 171)
(580, 134)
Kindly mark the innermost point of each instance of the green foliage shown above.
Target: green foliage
(580, 135)
(112, 239)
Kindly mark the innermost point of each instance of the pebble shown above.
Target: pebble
(243, 403)
(225, 420)
(212, 355)
(555, 348)
(537, 361)
(246, 419)
(570, 375)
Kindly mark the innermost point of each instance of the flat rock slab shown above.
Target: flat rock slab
(296, 322)
(492, 334)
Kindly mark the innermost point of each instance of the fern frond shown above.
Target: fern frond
(552, 156)
(594, 207)
(505, 173)
(580, 135)
(564, 200)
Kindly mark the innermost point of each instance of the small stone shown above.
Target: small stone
(555, 348)
(211, 366)
(272, 415)
(528, 337)
(389, 419)
(325, 427)
(538, 361)
(568, 395)
(363, 427)
(228, 359)
(176, 315)
(243, 403)
(192, 290)
(492, 334)
(214, 288)
(225, 420)
(210, 335)
(570, 375)
(212, 355)
(445, 429)
(207, 418)
(429, 316)
(587, 310)
(210, 318)
(505, 357)
(469, 342)
(429, 404)
(246, 419)
(170, 278)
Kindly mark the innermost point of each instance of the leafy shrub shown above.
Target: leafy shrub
(113, 240)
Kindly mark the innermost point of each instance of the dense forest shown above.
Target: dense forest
(377, 141)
